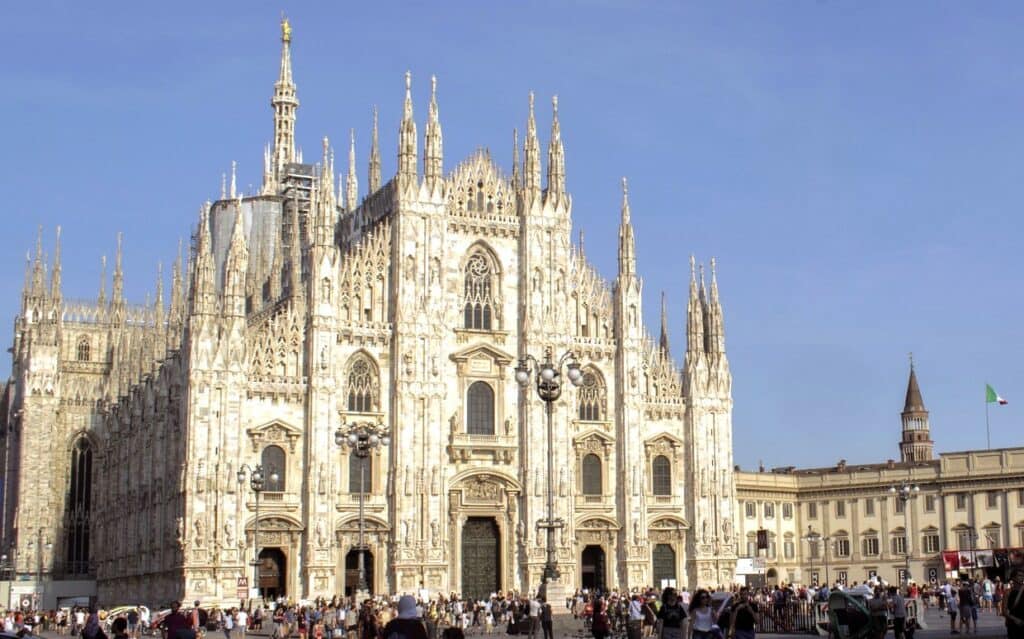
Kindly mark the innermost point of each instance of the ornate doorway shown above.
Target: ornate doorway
(663, 560)
(352, 571)
(273, 573)
(592, 569)
(481, 565)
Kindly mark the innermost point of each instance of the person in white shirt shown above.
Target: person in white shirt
(241, 622)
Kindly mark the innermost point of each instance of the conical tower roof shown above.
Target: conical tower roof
(914, 402)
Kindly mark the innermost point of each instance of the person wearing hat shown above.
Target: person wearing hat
(407, 625)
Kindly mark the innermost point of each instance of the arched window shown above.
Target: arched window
(84, 352)
(592, 475)
(274, 461)
(479, 292)
(79, 507)
(480, 409)
(592, 398)
(661, 475)
(362, 385)
(355, 469)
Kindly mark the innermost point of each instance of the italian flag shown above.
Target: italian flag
(992, 397)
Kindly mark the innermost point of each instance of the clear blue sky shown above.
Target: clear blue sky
(855, 167)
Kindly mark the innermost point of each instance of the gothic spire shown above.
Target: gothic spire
(531, 153)
(38, 271)
(295, 265)
(235, 265)
(327, 172)
(177, 292)
(204, 282)
(556, 155)
(373, 177)
(627, 244)
(694, 317)
(55, 279)
(284, 103)
(234, 170)
(102, 298)
(515, 159)
(663, 342)
(433, 155)
(407, 137)
(117, 294)
(715, 325)
(158, 304)
(351, 182)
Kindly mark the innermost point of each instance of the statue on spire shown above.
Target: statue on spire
(286, 29)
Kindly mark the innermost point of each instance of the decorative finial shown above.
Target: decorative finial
(713, 270)
(433, 85)
(581, 241)
(531, 101)
(408, 81)
(286, 29)
(554, 104)
(625, 187)
(911, 356)
(693, 267)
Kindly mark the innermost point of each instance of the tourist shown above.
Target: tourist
(92, 628)
(898, 608)
(702, 615)
(743, 620)
(546, 619)
(120, 628)
(1013, 606)
(407, 625)
(671, 615)
(599, 626)
(175, 623)
(965, 600)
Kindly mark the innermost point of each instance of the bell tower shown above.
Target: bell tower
(916, 441)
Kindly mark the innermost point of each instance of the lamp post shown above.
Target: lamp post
(904, 492)
(257, 480)
(362, 439)
(813, 537)
(548, 376)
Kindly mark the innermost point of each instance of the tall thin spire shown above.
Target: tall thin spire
(531, 153)
(117, 294)
(204, 281)
(234, 170)
(515, 159)
(235, 266)
(556, 155)
(101, 299)
(407, 137)
(177, 290)
(295, 263)
(158, 304)
(55, 279)
(433, 154)
(351, 182)
(663, 342)
(373, 176)
(715, 324)
(38, 271)
(694, 318)
(285, 103)
(627, 244)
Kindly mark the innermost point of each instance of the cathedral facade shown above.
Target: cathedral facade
(304, 309)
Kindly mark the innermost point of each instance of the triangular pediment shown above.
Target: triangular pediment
(663, 440)
(274, 431)
(483, 351)
(477, 187)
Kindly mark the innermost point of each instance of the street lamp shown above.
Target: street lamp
(257, 480)
(549, 388)
(813, 537)
(904, 492)
(362, 439)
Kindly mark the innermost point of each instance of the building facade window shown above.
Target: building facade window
(812, 510)
(899, 545)
(1020, 496)
(960, 500)
(929, 503)
(274, 461)
(964, 539)
(591, 472)
(930, 542)
(480, 409)
(356, 472)
(751, 548)
(769, 510)
(479, 292)
(661, 476)
(788, 549)
(992, 499)
(842, 547)
(750, 508)
(592, 398)
(1020, 534)
(840, 508)
(787, 511)
(900, 505)
(869, 506)
(79, 508)
(84, 350)
(992, 536)
(362, 385)
(871, 546)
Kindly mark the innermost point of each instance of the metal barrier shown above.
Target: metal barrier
(791, 617)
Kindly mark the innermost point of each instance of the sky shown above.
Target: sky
(855, 168)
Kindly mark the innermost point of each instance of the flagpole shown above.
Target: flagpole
(988, 436)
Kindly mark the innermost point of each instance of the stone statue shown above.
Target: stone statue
(433, 534)
(435, 481)
(405, 532)
(408, 480)
(704, 530)
(199, 533)
(521, 531)
(321, 533)
(563, 487)
(180, 530)
(229, 535)
(727, 529)
(508, 426)
(636, 532)
(322, 484)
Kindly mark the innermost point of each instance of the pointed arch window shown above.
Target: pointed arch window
(592, 475)
(84, 351)
(661, 476)
(480, 409)
(274, 460)
(592, 398)
(479, 293)
(79, 508)
(362, 385)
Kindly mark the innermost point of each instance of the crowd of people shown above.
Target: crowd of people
(638, 614)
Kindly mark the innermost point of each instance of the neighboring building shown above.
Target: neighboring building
(302, 309)
(972, 502)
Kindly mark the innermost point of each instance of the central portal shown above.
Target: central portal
(592, 568)
(481, 564)
(272, 571)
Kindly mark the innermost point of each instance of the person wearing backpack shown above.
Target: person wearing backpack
(407, 625)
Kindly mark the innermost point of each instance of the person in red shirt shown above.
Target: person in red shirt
(176, 622)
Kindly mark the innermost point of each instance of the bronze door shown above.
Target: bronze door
(592, 568)
(480, 562)
(663, 559)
